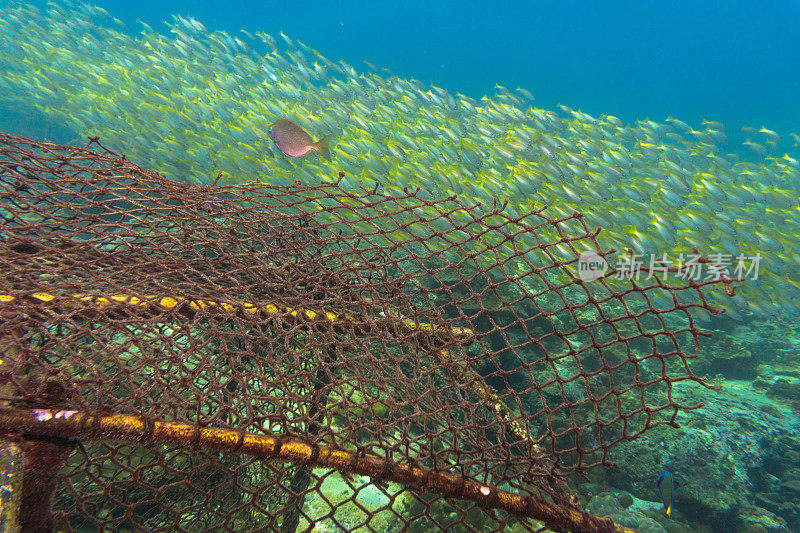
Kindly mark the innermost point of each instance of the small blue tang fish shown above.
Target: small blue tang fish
(667, 486)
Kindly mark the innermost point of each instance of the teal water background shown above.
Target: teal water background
(736, 62)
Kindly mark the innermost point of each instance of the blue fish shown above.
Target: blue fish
(667, 486)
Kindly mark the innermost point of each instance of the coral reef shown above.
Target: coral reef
(738, 457)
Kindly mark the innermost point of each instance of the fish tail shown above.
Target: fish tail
(323, 146)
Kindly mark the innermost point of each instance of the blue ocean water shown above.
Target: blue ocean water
(734, 61)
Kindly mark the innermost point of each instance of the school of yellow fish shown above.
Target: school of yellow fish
(193, 102)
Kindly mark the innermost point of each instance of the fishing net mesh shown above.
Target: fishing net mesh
(261, 357)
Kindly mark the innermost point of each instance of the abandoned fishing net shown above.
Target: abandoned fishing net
(253, 357)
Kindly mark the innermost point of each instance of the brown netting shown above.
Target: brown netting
(257, 357)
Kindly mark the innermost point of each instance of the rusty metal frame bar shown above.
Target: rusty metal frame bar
(82, 426)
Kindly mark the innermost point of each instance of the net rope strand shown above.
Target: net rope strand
(440, 337)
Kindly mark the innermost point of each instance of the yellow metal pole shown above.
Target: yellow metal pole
(86, 426)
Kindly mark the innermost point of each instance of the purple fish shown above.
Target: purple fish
(293, 141)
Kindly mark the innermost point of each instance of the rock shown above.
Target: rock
(648, 525)
(625, 499)
(791, 486)
(767, 339)
(758, 520)
(604, 504)
(723, 354)
(613, 506)
(782, 455)
(715, 453)
(768, 500)
(711, 491)
(772, 410)
(784, 388)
